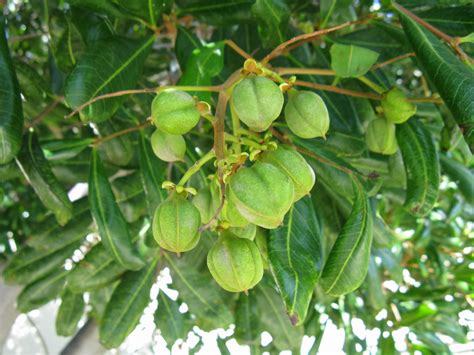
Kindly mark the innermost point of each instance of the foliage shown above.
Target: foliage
(384, 235)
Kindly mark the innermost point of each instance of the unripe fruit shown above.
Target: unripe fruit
(176, 224)
(262, 245)
(380, 137)
(257, 101)
(292, 163)
(174, 111)
(207, 201)
(168, 147)
(247, 232)
(235, 263)
(262, 194)
(232, 216)
(306, 114)
(396, 107)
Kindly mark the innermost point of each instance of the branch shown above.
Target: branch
(43, 114)
(393, 60)
(237, 49)
(337, 90)
(141, 91)
(104, 139)
(307, 37)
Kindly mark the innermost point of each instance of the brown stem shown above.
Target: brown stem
(140, 91)
(432, 99)
(104, 139)
(451, 41)
(338, 90)
(25, 37)
(307, 37)
(393, 60)
(43, 114)
(237, 49)
(304, 71)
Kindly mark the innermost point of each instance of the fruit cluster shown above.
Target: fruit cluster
(257, 186)
(380, 135)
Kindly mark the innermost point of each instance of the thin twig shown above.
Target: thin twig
(304, 71)
(25, 37)
(237, 49)
(337, 90)
(393, 60)
(307, 37)
(121, 133)
(141, 91)
(43, 114)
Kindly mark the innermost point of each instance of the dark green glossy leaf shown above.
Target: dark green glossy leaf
(65, 148)
(126, 306)
(186, 43)
(296, 258)
(247, 328)
(348, 261)
(106, 6)
(452, 20)
(274, 320)
(30, 79)
(149, 10)
(453, 79)
(37, 171)
(41, 291)
(221, 13)
(272, 18)
(172, 324)
(201, 293)
(152, 172)
(11, 111)
(29, 265)
(112, 226)
(117, 151)
(461, 175)
(351, 61)
(119, 61)
(420, 158)
(69, 313)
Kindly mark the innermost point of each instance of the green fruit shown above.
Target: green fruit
(262, 194)
(262, 245)
(396, 107)
(174, 112)
(176, 224)
(306, 114)
(257, 101)
(380, 137)
(292, 163)
(168, 147)
(247, 232)
(232, 216)
(235, 263)
(207, 201)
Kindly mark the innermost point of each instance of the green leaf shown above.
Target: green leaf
(148, 10)
(453, 79)
(41, 291)
(117, 151)
(53, 237)
(348, 261)
(423, 311)
(296, 258)
(204, 63)
(247, 321)
(112, 226)
(62, 149)
(152, 173)
(96, 270)
(452, 20)
(351, 61)
(375, 295)
(37, 171)
(172, 324)
(420, 158)
(69, 313)
(29, 265)
(461, 175)
(272, 18)
(106, 6)
(11, 111)
(274, 320)
(219, 13)
(126, 306)
(186, 43)
(201, 293)
(107, 66)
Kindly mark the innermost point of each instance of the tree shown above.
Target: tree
(197, 129)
